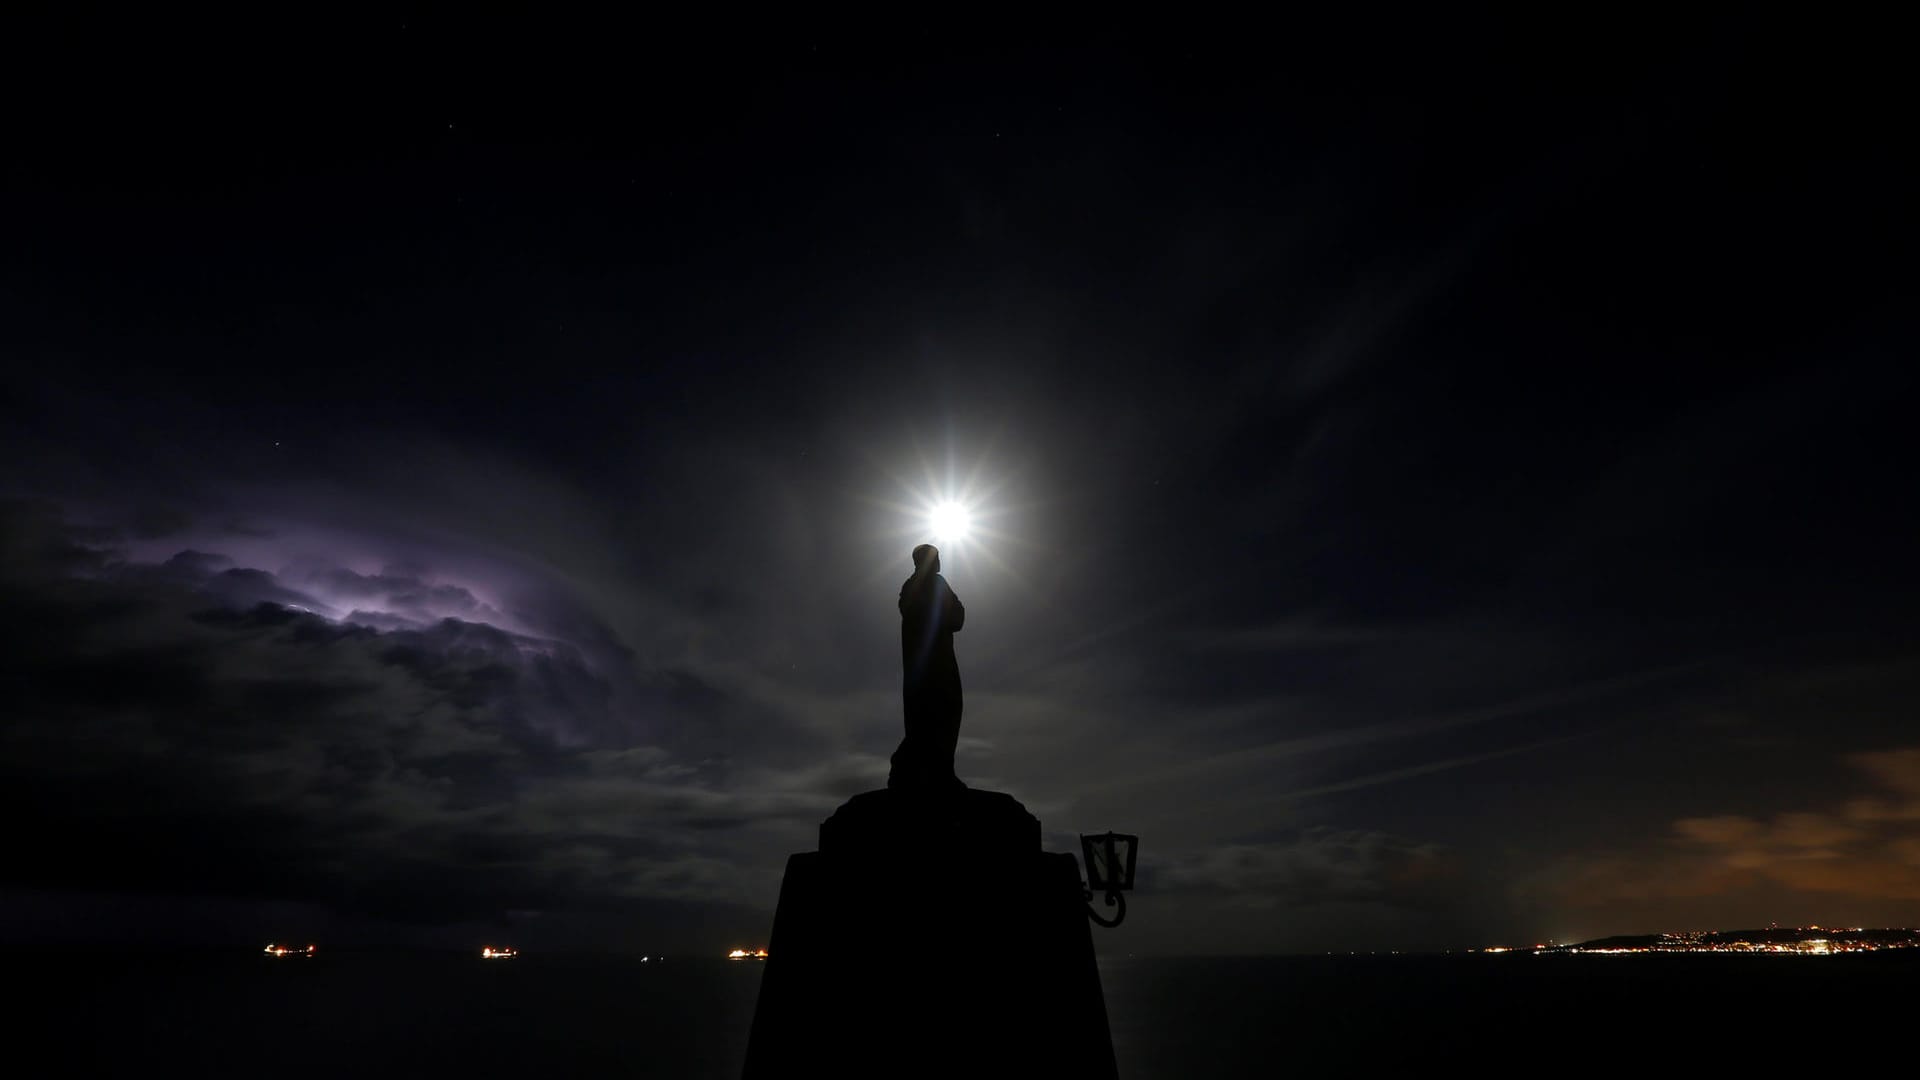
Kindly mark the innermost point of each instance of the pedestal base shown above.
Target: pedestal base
(930, 937)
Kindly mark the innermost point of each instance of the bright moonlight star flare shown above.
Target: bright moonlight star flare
(949, 522)
(961, 510)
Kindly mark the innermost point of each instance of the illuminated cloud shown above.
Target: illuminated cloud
(1867, 849)
(191, 725)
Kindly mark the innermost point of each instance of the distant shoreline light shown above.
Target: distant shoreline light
(1791, 941)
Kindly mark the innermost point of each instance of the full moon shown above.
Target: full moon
(948, 522)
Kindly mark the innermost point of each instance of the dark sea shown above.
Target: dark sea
(383, 1014)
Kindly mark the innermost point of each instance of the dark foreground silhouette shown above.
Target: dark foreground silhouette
(930, 614)
(930, 936)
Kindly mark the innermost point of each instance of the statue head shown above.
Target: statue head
(926, 559)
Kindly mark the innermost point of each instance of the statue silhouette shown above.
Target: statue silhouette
(930, 678)
(1003, 981)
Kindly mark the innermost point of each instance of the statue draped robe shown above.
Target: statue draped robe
(930, 684)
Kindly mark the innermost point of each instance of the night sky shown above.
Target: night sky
(1439, 484)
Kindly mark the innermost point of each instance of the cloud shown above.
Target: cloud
(1866, 848)
(1293, 633)
(1238, 762)
(190, 725)
(1897, 770)
(1313, 866)
(402, 594)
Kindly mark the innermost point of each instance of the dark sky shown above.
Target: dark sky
(1440, 483)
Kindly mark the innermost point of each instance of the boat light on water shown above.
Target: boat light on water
(747, 954)
(289, 950)
(491, 953)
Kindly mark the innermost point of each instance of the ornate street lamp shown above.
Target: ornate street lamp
(1109, 862)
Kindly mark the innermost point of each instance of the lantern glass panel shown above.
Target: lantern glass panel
(1100, 863)
(1123, 851)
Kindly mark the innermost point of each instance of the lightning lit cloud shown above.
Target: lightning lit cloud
(368, 740)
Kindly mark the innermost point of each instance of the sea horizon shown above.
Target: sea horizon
(403, 1011)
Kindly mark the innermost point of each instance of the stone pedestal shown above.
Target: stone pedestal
(930, 937)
